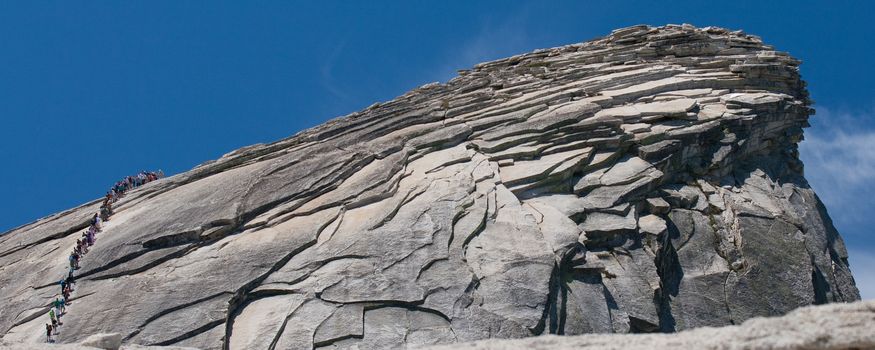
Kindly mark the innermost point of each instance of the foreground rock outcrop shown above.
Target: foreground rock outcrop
(827, 327)
(646, 181)
(836, 326)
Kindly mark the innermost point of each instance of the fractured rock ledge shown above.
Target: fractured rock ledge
(647, 181)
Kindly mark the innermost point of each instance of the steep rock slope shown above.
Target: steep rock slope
(645, 181)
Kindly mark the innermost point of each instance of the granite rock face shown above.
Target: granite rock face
(645, 181)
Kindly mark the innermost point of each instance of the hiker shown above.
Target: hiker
(55, 319)
(49, 333)
(95, 222)
(66, 284)
(59, 305)
(74, 260)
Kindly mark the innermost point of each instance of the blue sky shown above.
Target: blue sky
(92, 91)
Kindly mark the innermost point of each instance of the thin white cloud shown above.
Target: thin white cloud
(495, 39)
(327, 72)
(848, 158)
(839, 157)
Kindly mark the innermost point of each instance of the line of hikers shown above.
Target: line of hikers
(135, 181)
(58, 307)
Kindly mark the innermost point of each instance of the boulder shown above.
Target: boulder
(828, 327)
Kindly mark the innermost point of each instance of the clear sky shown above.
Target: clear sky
(93, 91)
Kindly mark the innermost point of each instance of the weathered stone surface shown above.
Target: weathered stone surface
(602, 224)
(645, 181)
(651, 224)
(658, 205)
(260, 321)
(103, 341)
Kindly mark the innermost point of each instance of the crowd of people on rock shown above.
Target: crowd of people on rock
(58, 307)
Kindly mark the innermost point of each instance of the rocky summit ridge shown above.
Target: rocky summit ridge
(647, 181)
